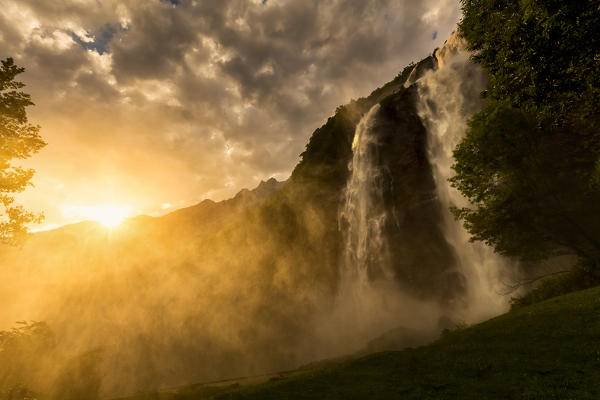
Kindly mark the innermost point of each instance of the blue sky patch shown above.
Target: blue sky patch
(101, 39)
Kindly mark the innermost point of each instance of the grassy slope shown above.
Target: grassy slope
(550, 350)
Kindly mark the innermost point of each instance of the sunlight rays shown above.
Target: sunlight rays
(109, 215)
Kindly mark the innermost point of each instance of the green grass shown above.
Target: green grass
(549, 350)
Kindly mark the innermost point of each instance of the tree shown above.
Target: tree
(25, 352)
(18, 140)
(32, 366)
(530, 161)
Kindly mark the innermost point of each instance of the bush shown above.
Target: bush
(582, 276)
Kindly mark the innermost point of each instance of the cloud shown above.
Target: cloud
(150, 102)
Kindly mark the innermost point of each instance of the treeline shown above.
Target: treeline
(34, 366)
(530, 161)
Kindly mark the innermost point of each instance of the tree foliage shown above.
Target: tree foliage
(19, 139)
(24, 351)
(33, 366)
(530, 160)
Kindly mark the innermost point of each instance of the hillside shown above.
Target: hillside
(550, 350)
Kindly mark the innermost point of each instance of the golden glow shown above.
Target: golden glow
(108, 215)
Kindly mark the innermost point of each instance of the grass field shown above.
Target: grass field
(549, 350)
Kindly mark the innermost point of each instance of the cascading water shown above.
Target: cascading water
(363, 304)
(369, 302)
(364, 215)
(447, 98)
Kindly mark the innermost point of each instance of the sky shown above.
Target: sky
(152, 105)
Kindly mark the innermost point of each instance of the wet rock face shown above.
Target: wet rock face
(453, 46)
(422, 260)
(421, 68)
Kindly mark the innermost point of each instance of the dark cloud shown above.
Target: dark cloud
(219, 94)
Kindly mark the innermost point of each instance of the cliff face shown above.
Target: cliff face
(422, 259)
(423, 262)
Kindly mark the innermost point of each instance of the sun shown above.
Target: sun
(109, 215)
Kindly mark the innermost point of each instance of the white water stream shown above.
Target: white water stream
(364, 214)
(448, 97)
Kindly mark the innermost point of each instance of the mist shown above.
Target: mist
(356, 252)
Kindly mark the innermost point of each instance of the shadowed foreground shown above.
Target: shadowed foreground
(550, 350)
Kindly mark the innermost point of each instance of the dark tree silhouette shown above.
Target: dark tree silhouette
(19, 139)
(530, 162)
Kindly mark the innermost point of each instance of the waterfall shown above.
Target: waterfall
(448, 96)
(365, 300)
(368, 302)
(364, 216)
